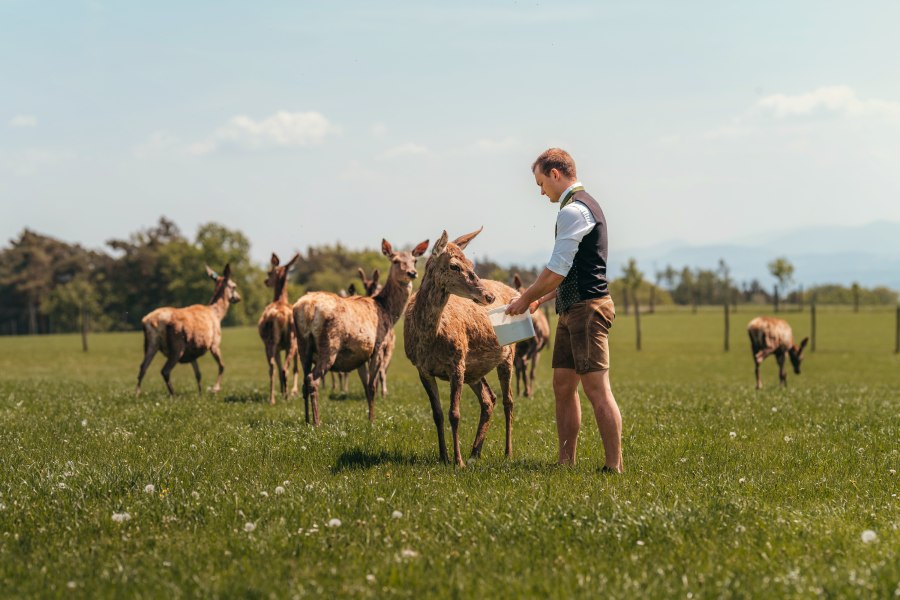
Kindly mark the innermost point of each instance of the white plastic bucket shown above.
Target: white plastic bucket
(510, 329)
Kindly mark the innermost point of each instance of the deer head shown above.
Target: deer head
(370, 286)
(278, 274)
(796, 355)
(225, 287)
(403, 264)
(450, 270)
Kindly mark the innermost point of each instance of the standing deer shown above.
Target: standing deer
(769, 335)
(348, 333)
(185, 334)
(276, 328)
(447, 335)
(371, 288)
(528, 352)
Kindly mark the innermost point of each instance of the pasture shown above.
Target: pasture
(727, 492)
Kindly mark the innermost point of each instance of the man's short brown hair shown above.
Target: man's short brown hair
(555, 158)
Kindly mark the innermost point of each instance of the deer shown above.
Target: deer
(528, 352)
(185, 334)
(276, 328)
(769, 335)
(348, 333)
(448, 336)
(371, 288)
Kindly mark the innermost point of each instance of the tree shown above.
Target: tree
(633, 279)
(855, 290)
(783, 271)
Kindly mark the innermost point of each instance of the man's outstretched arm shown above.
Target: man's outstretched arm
(542, 290)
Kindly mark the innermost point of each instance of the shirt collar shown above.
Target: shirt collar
(566, 196)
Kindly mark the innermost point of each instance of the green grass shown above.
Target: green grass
(775, 510)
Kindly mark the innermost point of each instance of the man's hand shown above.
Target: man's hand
(519, 305)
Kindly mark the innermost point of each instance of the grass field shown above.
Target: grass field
(728, 492)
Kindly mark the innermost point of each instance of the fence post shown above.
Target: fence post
(812, 334)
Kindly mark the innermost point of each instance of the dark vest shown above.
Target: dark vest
(587, 277)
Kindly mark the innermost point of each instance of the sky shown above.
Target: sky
(307, 123)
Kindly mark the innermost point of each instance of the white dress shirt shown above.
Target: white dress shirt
(573, 222)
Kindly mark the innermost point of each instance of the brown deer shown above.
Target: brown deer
(371, 288)
(276, 328)
(528, 352)
(185, 334)
(447, 335)
(347, 333)
(769, 335)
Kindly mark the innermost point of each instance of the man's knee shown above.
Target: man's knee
(565, 381)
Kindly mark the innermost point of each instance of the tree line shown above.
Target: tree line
(49, 285)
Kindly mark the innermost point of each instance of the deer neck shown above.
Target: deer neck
(219, 306)
(281, 293)
(393, 298)
(430, 302)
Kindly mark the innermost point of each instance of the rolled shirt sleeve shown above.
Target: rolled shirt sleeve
(572, 223)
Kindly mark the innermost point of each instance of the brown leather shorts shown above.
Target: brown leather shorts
(582, 336)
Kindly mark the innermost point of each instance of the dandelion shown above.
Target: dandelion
(892, 471)
(71, 585)
(408, 553)
(195, 495)
(249, 527)
(286, 483)
(264, 494)
(370, 578)
(279, 490)
(732, 434)
(334, 523)
(774, 409)
(742, 480)
(121, 517)
(788, 439)
(61, 485)
(640, 542)
(869, 536)
(379, 499)
(396, 515)
(83, 424)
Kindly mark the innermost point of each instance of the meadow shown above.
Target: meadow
(727, 491)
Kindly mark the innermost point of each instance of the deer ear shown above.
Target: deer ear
(375, 275)
(440, 245)
(275, 261)
(352, 289)
(420, 249)
(463, 240)
(386, 248)
(517, 281)
(212, 274)
(803, 345)
(361, 273)
(292, 261)
(227, 272)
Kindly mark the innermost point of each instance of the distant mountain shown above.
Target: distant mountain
(867, 254)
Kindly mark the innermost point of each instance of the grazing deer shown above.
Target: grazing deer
(347, 333)
(447, 335)
(769, 335)
(276, 328)
(185, 334)
(528, 352)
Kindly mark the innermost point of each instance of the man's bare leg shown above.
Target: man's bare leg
(606, 411)
(568, 413)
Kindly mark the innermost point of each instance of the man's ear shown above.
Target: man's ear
(386, 248)
(440, 245)
(463, 240)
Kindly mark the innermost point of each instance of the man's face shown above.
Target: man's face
(552, 185)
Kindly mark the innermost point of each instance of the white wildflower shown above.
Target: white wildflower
(869, 536)
(379, 499)
(264, 494)
(774, 409)
(249, 527)
(788, 439)
(195, 495)
(640, 542)
(71, 585)
(732, 434)
(121, 517)
(370, 578)
(279, 490)
(83, 424)
(149, 488)
(286, 483)
(408, 553)
(742, 480)
(396, 515)
(334, 523)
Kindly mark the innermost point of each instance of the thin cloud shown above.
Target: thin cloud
(23, 121)
(488, 146)
(404, 150)
(282, 130)
(836, 99)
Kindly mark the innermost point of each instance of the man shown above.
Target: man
(576, 278)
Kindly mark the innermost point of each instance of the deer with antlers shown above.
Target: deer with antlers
(528, 352)
(769, 335)
(185, 334)
(348, 333)
(276, 328)
(447, 335)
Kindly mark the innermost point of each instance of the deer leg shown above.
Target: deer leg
(217, 355)
(486, 398)
(345, 382)
(504, 372)
(292, 356)
(374, 368)
(306, 360)
(197, 376)
(149, 353)
(782, 377)
(456, 383)
(270, 360)
(326, 355)
(431, 388)
(282, 374)
(171, 361)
